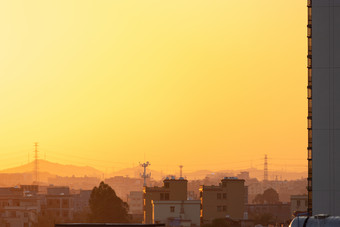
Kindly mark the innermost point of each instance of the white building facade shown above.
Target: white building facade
(298, 204)
(176, 213)
(324, 106)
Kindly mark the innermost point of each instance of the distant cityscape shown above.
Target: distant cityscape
(24, 199)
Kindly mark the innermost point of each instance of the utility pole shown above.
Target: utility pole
(145, 175)
(265, 174)
(36, 162)
(180, 171)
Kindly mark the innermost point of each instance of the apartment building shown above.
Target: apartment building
(21, 212)
(135, 202)
(59, 202)
(225, 200)
(18, 207)
(81, 200)
(172, 189)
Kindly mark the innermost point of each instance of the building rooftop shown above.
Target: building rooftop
(176, 201)
(110, 224)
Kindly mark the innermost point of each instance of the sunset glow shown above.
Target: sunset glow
(208, 84)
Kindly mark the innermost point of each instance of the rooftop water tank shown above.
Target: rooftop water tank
(319, 220)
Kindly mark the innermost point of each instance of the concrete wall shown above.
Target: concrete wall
(162, 211)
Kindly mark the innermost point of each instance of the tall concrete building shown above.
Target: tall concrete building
(324, 106)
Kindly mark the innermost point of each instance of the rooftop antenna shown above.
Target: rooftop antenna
(145, 175)
(36, 162)
(265, 174)
(180, 171)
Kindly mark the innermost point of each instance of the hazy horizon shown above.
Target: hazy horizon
(70, 170)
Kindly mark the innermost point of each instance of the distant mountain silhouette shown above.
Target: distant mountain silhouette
(55, 169)
(49, 169)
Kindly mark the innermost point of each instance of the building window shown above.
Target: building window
(309, 93)
(65, 214)
(298, 203)
(16, 203)
(162, 196)
(172, 209)
(224, 195)
(167, 196)
(166, 185)
(218, 195)
(219, 208)
(309, 153)
(224, 208)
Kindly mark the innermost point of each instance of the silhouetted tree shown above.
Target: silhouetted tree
(258, 199)
(270, 196)
(106, 206)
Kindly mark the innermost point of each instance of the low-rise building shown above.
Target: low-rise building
(176, 213)
(59, 202)
(135, 202)
(298, 204)
(81, 200)
(173, 189)
(18, 207)
(23, 212)
(225, 200)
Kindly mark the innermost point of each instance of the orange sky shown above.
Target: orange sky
(208, 84)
